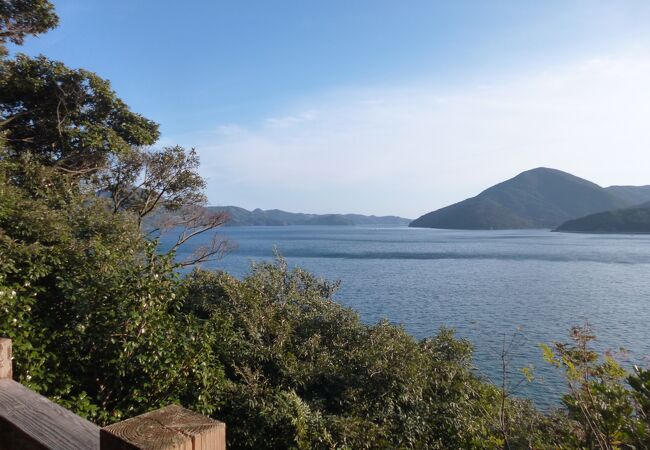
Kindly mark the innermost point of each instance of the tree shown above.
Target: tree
(70, 119)
(607, 414)
(143, 180)
(165, 192)
(20, 18)
(92, 308)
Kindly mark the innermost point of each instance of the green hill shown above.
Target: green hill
(475, 213)
(537, 198)
(627, 220)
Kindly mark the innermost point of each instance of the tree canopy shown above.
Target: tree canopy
(66, 117)
(21, 18)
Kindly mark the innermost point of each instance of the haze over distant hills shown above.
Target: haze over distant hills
(635, 195)
(537, 198)
(276, 217)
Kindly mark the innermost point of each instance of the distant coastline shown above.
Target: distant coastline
(276, 217)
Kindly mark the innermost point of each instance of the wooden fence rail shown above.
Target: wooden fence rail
(29, 421)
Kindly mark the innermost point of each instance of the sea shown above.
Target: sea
(507, 292)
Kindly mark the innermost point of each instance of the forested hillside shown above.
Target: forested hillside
(538, 198)
(626, 220)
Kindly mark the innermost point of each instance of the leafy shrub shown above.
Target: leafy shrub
(92, 309)
(608, 406)
(305, 372)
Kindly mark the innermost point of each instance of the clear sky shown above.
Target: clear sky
(375, 106)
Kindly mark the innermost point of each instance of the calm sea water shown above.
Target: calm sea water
(484, 284)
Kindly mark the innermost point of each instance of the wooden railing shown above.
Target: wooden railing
(29, 421)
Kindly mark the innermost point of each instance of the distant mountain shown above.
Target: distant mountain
(276, 217)
(537, 198)
(627, 220)
(634, 195)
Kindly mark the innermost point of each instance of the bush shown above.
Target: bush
(607, 405)
(92, 309)
(305, 372)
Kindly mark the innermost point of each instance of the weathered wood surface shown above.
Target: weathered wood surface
(172, 427)
(29, 421)
(5, 358)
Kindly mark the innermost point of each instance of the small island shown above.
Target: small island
(626, 220)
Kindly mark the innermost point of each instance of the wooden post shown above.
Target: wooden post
(171, 427)
(29, 421)
(5, 358)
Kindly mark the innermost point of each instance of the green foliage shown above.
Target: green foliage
(103, 325)
(141, 180)
(20, 18)
(640, 383)
(65, 117)
(305, 372)
(607, 414)
(93, 310)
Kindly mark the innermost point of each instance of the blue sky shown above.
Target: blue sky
(375, 106)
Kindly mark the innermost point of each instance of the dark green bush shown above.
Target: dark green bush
(305, 372)
(92, 309)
